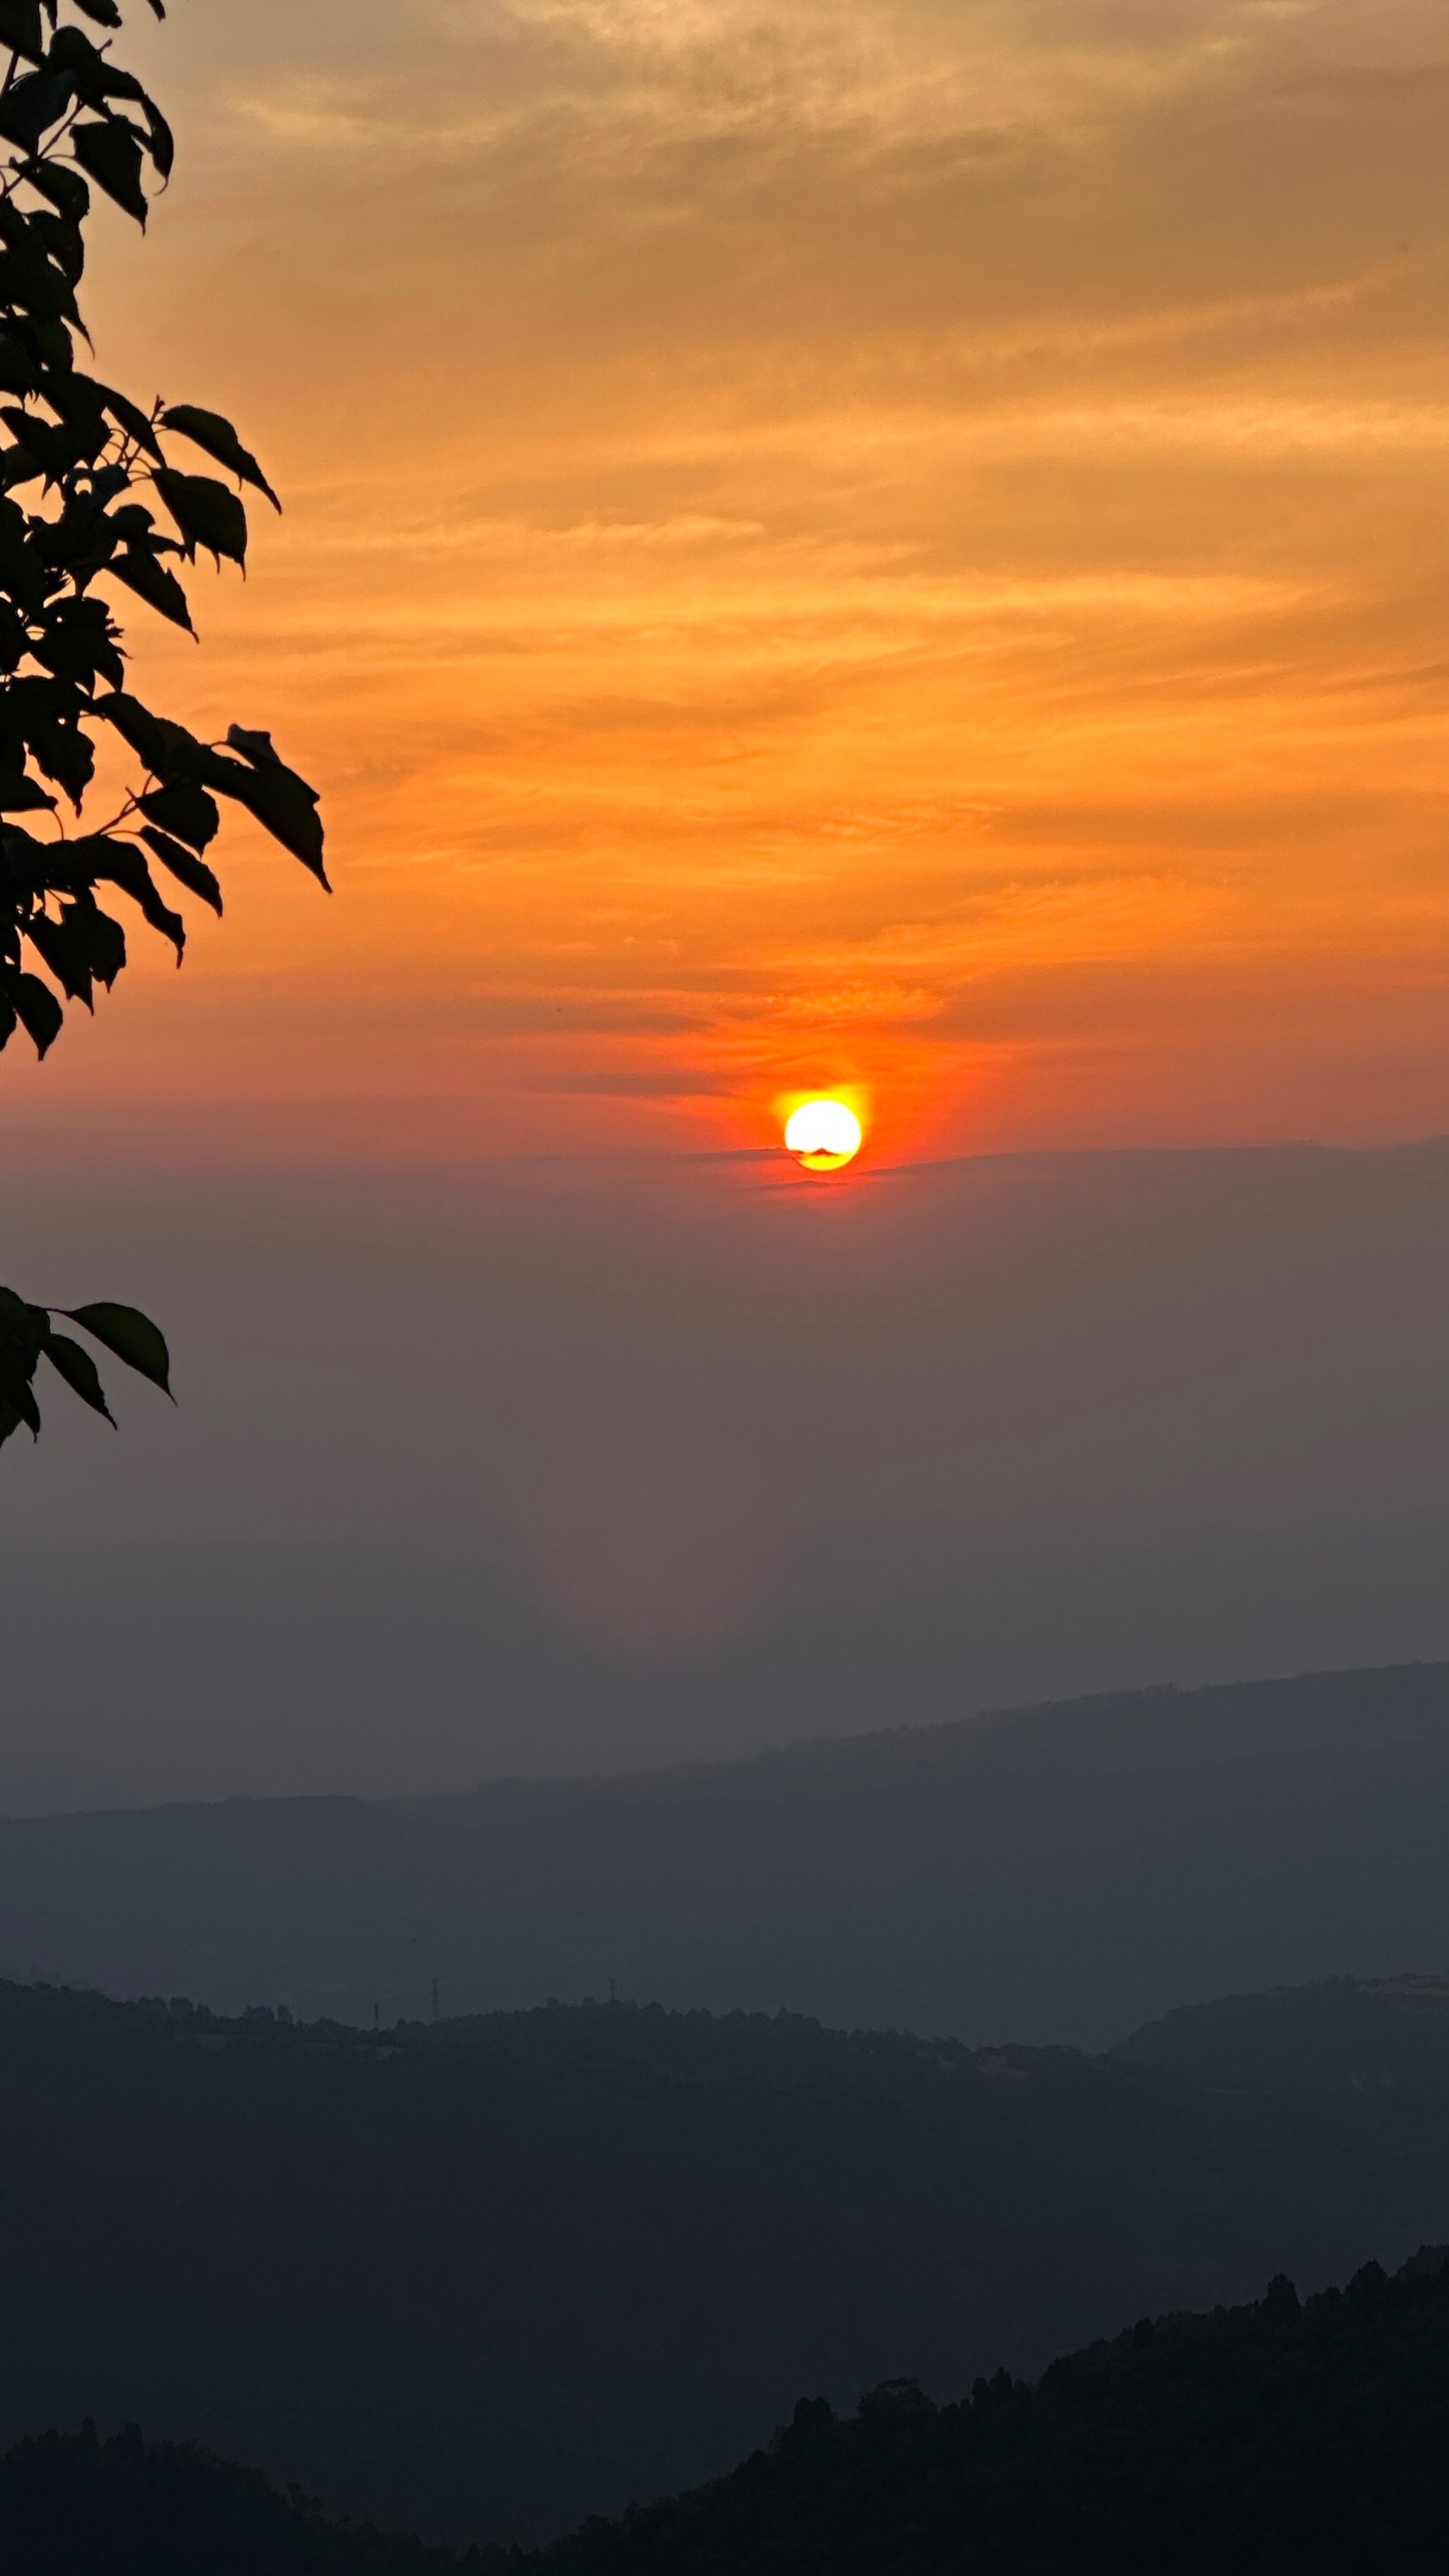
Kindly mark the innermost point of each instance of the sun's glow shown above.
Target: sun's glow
(823, 1134)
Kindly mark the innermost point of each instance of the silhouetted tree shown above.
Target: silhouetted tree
(78, 456)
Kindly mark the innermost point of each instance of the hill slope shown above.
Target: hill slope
(1305, 2441)
(489, 2277)
(1062, 1873)
(1280, 2439)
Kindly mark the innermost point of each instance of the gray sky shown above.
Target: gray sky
(562, 1466)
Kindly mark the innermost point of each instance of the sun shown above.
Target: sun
(823, 1134)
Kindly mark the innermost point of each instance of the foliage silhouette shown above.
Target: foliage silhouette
(77, 454)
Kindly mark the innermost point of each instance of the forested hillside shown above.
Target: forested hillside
(490, 2277)
(1061, 1873)
(1284, 2438)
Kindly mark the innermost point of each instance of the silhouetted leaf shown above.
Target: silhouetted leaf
(79, 1372)
(188, 870)
(22, 795)
(254, 745)
(66, 755)
(216, 437)
(31, 283)
(163, 142)
(152, 582)
(130, 417)
(65, 187)
(282, 802)
(167, 749)
(51, 942)
(185, 810)
(64, 242)
(18, 373)
(110, 151)
(96, 77)
(120, 863)
(37, 1010)
(206, 513)
(32, 106)
(80, 946)
(102, 13)
(18, 1401)
(130, 1335)
(20, 28)
(22, 569)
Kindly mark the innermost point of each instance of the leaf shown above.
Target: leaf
(152, 582)
(18, 1405)
(23, 1327)
(120, 863)
(131, 1336)
(191, 872)
(20, 28)
(95, 76)
(167, 749)
(65, 187)
(66, 755)
(216, 438)
(206, 513)
(22, 795)
(63, 240)
(132, 420)
(22, 571)
(30, 283)
(23, 1332)
(101, 13)
(109, 150)
(79, 1372)
(37, 1010)
(32, 106)
(255, 746)
(49, 939)
(185, 810)
(17, 367)
(282, 802)
(163, 142)
(83, 943)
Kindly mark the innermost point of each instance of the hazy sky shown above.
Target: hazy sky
(895, 544)
(897, 541)
(572, 1466)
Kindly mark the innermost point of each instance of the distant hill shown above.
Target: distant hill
(485, 2277)
(1284, 2438)
(1163, 1729)
(1062, 1873)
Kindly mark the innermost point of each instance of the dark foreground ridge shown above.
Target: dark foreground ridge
(1281, 2439)
(488, 2277)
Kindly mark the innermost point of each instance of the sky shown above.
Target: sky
(896, 545)
(893, 547)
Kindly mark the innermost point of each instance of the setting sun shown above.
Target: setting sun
(823, 1134)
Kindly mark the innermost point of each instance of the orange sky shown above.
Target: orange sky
(894, 543)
